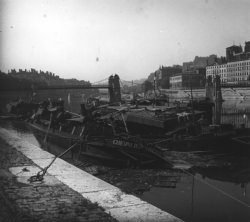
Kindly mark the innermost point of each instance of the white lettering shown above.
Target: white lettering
(125, 143)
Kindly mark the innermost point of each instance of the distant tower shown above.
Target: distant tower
(111, 89)
(117, 89)
(247, 47)
(114, 89)
(217, 89)
(209, 89)
(231, 51)
(217, 100)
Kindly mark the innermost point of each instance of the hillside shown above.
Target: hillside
(10, 83)
(25, 79)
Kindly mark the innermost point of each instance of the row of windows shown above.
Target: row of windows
(240, 74)
(175, 81)
(241, 69)
(175, 77)
(233, 79)
(237, 79)
(227, 71)
(230, 65)
(230, 69)
(231, 74)
(239, 64)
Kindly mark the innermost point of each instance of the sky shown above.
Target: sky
(92, 39)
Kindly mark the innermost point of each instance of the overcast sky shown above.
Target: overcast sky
(92, 39)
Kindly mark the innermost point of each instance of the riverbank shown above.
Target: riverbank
(50, 200)
(66, 194)
(199, 94)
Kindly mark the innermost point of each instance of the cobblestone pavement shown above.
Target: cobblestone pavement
(40, 201)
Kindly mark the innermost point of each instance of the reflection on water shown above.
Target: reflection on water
(210, 195)
(193, 200)
(236, 112)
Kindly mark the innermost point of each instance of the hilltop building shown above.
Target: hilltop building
(163, 75)
(199, 62)
(235, 53)
(193, 73)
(231, 72)
(232, 69)
(236, 69)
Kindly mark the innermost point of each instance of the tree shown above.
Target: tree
(147, 85)
(164, 83)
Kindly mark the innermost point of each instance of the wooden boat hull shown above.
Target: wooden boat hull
(121, 149)
(54, 136)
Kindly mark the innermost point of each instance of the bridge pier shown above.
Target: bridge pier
(214, 95)
(114, 89)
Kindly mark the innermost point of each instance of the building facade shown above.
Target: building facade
(235, 53)
(188, 79)
(199, 62)
(236, 68)
(231, 72)
(163, 75)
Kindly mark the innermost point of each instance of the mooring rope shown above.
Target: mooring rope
(39, 176)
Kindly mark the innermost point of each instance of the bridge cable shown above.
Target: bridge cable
(100, 81)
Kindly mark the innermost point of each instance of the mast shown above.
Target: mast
(154, 88)
(191, 92)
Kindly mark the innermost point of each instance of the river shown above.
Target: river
(215, 189)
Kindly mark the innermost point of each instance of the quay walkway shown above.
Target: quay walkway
(67, 193)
